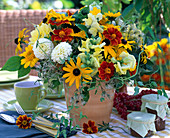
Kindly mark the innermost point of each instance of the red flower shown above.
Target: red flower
(24, 122)
(58, 22)
(113, 35)
(156, 77)
(90, 128)
(62, 35)
(106, 70)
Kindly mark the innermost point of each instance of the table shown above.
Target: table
(7, 93)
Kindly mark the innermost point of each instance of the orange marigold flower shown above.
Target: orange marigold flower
(145, 78)
(62, 35)
(167, 79)
(70, 13)
(90, 128)
(24, 122)
(59, 22)
(106, 70)
(113, 35)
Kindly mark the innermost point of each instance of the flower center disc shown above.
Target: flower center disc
(61, 33)
(89, 129)
(113, 36)
(124, 41)
(76, 72)
(24, 122)
(107, 70)
(30, 55)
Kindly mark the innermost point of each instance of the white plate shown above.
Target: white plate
(10, 76)
(43, 106)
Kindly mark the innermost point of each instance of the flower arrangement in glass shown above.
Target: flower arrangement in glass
(88, 49)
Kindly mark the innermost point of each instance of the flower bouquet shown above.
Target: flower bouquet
(92, 52)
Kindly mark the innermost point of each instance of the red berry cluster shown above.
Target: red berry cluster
(124, 102)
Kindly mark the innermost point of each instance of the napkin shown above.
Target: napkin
(8, 130)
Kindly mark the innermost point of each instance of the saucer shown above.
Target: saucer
(43, 106)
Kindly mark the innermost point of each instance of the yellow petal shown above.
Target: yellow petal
(79, 62)
(67, 69)
(72, 63)
(77, 82)
(66, 75)
(72, 80)
(27, 64)
(68, 79)
(23, 61)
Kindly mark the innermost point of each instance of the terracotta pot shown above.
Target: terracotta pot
(94, 109)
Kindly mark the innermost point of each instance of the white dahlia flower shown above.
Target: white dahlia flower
(61, 51)
(43, 49)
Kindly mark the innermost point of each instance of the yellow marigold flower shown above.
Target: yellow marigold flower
(110, 14)
(20, 39)
(95, 11)
(76, 73)
(24, 122)
(30, 59)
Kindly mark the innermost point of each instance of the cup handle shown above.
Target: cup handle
(44, 95)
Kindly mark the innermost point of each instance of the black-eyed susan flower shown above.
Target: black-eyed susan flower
(126, 44)
(76, 73)
(90, 128)
(24, 122)
(29, 57)
(21, 39)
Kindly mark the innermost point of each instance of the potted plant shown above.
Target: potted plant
(93, 53)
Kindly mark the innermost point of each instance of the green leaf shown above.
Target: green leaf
(151, 32)
(140, 83)
(153, 83)
(55, 83)
(138, 5)
(89, 89)
(128, 11)
(159, 47)
(164, 93)
(23, 71)
(12, 64)
(136, 90)
(102, 99)
(159, 92)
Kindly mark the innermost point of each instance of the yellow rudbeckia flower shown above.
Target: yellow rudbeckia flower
(76, 73)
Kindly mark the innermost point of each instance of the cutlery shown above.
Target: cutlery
(19, 109)
(8, 118)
